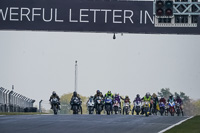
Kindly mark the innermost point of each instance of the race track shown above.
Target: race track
(85, 123)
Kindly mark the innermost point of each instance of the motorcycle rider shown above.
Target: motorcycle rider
(54, 95)
(107, 95)
(74, 96)
(127, 99)
(171, 99)
(98, 94)
(163, 100)
(118, 98)
(137, 99)
(178, 100)
(146, 98)
(155, 101)
(89, 99)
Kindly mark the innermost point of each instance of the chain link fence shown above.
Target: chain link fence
(11, 101)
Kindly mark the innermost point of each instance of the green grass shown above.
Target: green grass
(20, 113)
(189, 126)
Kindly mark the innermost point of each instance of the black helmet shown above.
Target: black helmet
(147, 94)
(171, 96)
(75, 93)
(137, 95)
(178, 97)
(98, 92)
(54, 93)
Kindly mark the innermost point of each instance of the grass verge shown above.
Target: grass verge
(21, 113)
(189, 126)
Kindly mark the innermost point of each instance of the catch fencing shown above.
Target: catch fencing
(11, 101)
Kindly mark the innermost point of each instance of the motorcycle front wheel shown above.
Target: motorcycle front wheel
(55, 110)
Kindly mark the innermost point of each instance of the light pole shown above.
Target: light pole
(76, 73)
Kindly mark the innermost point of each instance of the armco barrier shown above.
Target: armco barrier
(11, 101)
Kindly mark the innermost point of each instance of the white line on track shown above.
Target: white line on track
(164, 130)
(45, 114)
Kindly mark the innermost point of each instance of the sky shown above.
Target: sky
(37, 63)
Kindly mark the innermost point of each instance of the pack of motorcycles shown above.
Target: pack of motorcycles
(108, 106)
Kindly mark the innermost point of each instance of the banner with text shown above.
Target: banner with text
(83, 16)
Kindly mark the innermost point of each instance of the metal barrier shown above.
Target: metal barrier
(11, 101)
(44, 106)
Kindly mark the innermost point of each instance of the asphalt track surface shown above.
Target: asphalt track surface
(85, 123)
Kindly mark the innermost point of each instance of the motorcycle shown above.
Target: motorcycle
(137, 107)
(99, 104)
(126, 107)
(146, 108)
(162, 108)
(171, 108)
(178, 109)
(55, 105)
(116, 107)
(108, 105)
(90, 105)
(76, 105)
(154, 109)
(166, 109)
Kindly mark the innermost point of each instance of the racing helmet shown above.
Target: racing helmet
(154, 95)
(98, 92)
(75, 94)
(147, 94)
(54, 93)
(109, 93)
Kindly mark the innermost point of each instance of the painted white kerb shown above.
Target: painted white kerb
(175, 125)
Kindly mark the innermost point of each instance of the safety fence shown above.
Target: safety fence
(11, 101)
